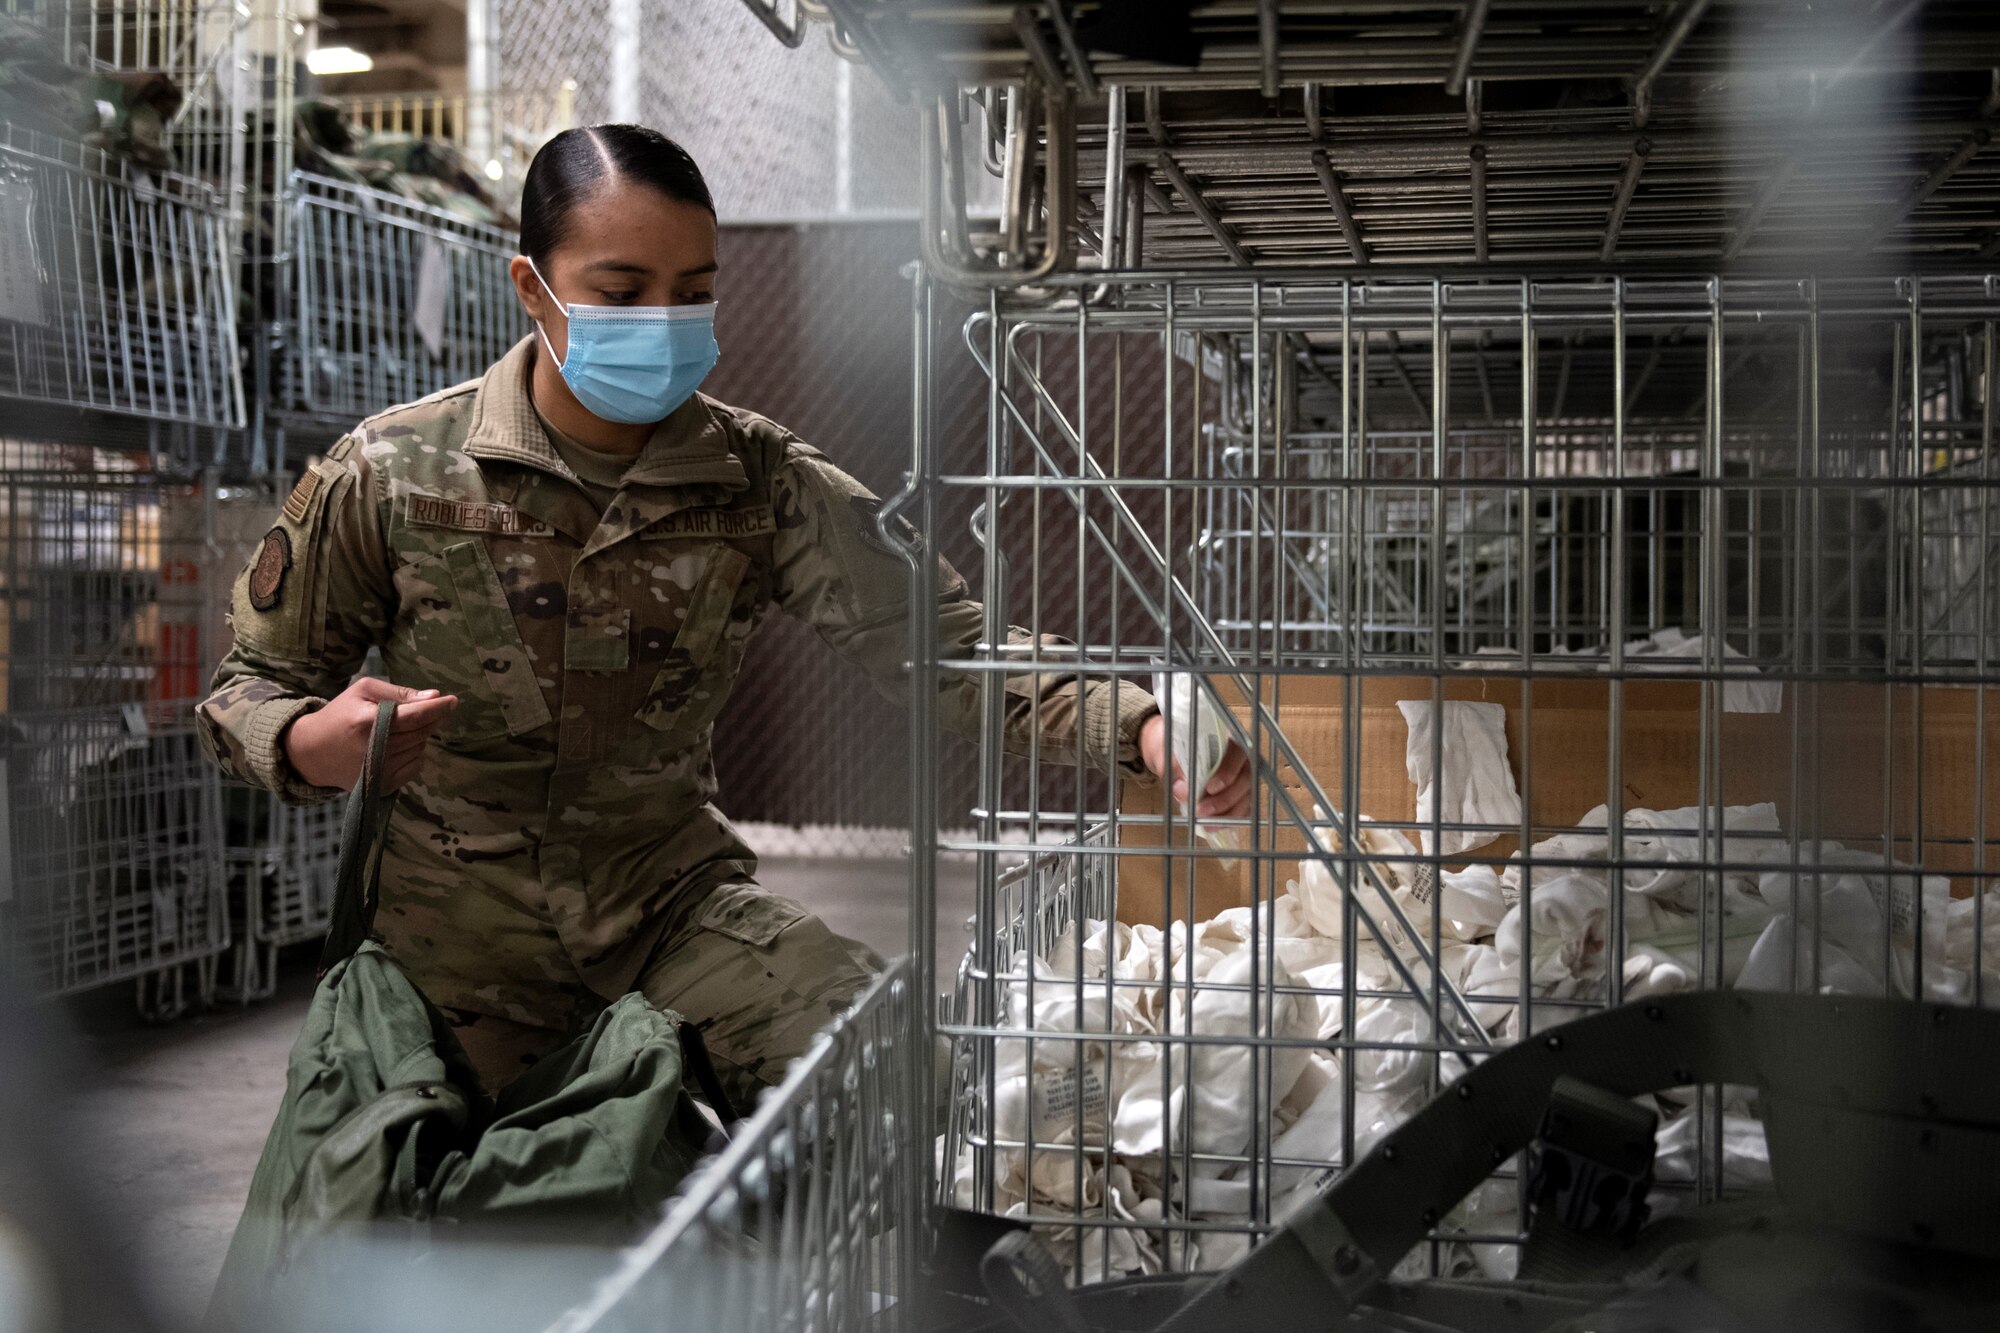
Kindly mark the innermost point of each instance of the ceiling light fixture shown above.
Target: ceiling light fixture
(339, 60)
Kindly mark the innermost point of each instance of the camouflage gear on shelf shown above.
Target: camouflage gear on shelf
(560, 845)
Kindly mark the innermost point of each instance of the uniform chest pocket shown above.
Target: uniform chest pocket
(466, 642)
(684, 680)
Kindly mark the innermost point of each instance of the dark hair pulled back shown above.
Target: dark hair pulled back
(575, 164)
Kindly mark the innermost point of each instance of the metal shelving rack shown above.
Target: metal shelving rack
(1698, 133)
(114, 866)
(122, 373)
(180, 330)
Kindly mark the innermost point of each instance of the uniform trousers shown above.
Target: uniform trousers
(757, 974)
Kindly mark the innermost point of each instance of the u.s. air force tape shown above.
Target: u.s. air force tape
(748, 521)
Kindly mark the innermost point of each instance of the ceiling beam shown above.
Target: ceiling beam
(1468, 44)
(1172, 171)
(1336, 198)
(1628, 184)
(1677, 32)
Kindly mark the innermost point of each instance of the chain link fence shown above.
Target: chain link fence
(782, 135)
(815, 324)
(815, 327)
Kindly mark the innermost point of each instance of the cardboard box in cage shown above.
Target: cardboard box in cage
(1889, 768)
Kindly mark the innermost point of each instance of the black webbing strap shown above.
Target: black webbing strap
(695, 1059)
(1026, 1284)
(356, 890)
(1914, 1074)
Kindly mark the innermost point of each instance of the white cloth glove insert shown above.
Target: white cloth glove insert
(1197, 741)
(1478, 785)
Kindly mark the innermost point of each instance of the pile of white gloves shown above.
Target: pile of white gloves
(1174, 1058)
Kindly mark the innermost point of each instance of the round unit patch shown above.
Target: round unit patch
(867, 510)
(267, 575)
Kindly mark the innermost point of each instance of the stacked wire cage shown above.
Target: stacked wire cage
(186, 313)
(120, 162)
(114, 840)
(388, 299)
(1555, 442)
(122, 166)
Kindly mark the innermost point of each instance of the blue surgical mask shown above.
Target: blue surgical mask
(634, 364)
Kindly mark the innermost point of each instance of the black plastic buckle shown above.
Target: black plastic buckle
(1592, 1163)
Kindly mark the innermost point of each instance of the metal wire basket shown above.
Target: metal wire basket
(282, 862)
(809, 1218)
(115, 849)
(392, 300)
(117, 287)
(1698, 543)
(113, 835)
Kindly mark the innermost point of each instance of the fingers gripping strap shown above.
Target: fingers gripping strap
(354, 894)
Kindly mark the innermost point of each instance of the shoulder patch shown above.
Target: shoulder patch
(267, 573)
(343, 449)
(868, 514)
(298, 505)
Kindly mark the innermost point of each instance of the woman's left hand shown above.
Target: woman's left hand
(1227, 795)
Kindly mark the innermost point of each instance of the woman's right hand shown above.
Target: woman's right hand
(326, 747)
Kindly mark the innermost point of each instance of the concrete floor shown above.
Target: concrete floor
(175, 1116)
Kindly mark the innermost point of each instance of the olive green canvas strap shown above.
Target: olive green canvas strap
(356, 888)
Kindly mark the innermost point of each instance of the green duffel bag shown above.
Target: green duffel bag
(386, 1149)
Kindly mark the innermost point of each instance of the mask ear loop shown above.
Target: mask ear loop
(539, 327)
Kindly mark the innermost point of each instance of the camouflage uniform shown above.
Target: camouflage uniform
(559, 846)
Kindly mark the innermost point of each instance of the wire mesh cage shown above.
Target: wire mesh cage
(805, 1220)
(119, 287)
(1593, 639)
(392, 300)
(1596, 639)
(113, 834)
(114, 849)
(166, 85)
(143, 142)
(283, 863)
(110, 576)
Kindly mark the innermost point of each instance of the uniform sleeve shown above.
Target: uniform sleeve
(835, 572)
(316, 595)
